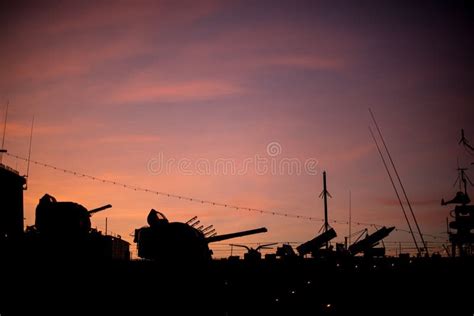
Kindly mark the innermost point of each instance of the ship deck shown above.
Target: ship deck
(322, 287)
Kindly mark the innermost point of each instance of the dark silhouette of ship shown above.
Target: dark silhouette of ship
(45, 265)
(11, 202)
(460, 228)
(461, 238)
(62, 229)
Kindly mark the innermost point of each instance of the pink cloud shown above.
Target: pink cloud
(69, 61)
(17, 129)
(97, 55)
(99, 15)
(74, 40)
(356, 153)
(185, 91)
(345, 154)
(129, 139)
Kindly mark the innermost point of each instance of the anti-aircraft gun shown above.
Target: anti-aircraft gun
(70, 219)
(178, 242)
(63, 229)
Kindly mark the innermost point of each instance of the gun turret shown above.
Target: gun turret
(64, 229)
(63, 218)
(177, 242)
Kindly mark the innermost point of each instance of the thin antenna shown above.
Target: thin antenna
(325, 195)
(464, 141)
(3, 150)
(350, 217)
(29, 153)
(395, 189)
(400, 182)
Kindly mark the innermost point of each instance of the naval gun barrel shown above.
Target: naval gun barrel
(99, 209)
(235, 235)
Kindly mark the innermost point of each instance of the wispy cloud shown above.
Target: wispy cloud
(76, 39)
(69, 61)
(288, 72)
(307, 62)
(129, 139)
(174, 92)
(20, 129)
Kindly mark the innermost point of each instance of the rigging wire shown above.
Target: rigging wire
(399, 181)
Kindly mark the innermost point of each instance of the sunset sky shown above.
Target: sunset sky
(116, 86)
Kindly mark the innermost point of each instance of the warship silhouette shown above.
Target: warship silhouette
(55, 262)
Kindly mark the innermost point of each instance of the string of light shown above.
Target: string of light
(198, 200)
(258, 243)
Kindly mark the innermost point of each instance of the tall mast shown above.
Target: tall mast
(29, 154)
(325, 194)
(3, 150)
(350, 217)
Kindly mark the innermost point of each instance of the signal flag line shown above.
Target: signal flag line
(198, 200)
